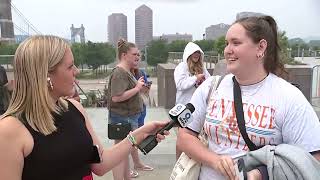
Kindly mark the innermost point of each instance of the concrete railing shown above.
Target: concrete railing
(300, 75)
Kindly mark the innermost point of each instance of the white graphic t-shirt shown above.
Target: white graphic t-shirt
(274, 110)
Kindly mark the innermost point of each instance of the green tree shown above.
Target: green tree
(79, 54)
(99, 54)
(157, 52)
(205, 45)
(8, 49)
(220, 44)
(284, 45)
(177, 46)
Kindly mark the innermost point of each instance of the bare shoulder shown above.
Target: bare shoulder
(13, 132)
(11, 126)
(16, 143)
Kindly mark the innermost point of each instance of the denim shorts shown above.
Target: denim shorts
(133, 120)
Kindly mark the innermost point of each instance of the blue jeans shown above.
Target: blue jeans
(143, 115)
(133, 120)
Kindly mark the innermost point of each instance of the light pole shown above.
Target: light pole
(289, 52)
(145, 54)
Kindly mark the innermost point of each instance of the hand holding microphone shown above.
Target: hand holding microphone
(180, 114)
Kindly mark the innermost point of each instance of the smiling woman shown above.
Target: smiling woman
(274, 111)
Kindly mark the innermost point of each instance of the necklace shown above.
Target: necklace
(249, 91)
(256, 82)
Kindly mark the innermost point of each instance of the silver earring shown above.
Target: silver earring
(259, 56)
(50, 83)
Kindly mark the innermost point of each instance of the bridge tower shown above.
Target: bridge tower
(6, 24)
(77, 31)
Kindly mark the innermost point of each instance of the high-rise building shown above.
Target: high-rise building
(248, 14)
(6, 24)
(117, 28)
(213, 32)
(143, 26)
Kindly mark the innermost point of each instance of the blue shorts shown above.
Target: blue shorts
(133, 120)
(142, 117)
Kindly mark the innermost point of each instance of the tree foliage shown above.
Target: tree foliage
(99, 54)
(177, 46)
(157, 52)
(8, 49)
(220, 44)
(93, 54)
(205, 45)
(79, 54)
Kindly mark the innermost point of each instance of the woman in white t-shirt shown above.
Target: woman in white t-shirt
(275, 111)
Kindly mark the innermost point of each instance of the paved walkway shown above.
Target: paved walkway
(162, 157)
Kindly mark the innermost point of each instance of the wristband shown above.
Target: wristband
(132, 139)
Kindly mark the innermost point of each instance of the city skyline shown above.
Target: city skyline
(169, 17)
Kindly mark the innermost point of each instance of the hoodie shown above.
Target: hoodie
(284, 162)
(184, 80)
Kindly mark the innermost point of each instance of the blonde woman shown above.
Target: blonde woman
(189, 74)
(42, 135)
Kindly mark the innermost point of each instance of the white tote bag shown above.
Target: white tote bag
(185, 167)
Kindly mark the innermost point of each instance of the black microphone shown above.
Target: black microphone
(180, 114)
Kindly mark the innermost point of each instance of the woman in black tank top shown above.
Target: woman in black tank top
(42, 135)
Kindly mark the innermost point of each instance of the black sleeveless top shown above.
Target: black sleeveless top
(62, 155)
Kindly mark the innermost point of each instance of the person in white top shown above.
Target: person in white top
(189, 74)
(275, 112)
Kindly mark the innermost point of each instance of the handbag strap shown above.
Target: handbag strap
(239, 114)
(214, 85)
(216, 80)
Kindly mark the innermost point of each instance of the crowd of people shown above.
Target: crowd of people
(45, 132)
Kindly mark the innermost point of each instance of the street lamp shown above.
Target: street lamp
(145, 54)
(289, 52)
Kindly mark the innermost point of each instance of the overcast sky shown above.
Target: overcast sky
(299, 18)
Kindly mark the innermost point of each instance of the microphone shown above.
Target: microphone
(180, 114)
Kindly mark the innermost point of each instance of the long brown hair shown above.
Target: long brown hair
(265, 27)
(195, 67)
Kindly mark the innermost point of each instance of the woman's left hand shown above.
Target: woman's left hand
(150, 128)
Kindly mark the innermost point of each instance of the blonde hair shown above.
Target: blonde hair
(31, 102)
(124, 47)
(195, 67)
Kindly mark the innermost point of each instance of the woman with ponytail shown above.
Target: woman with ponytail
(275, 112)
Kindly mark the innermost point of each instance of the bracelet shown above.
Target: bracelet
(132, 139)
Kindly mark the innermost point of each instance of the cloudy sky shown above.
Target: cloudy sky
(299, 18)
